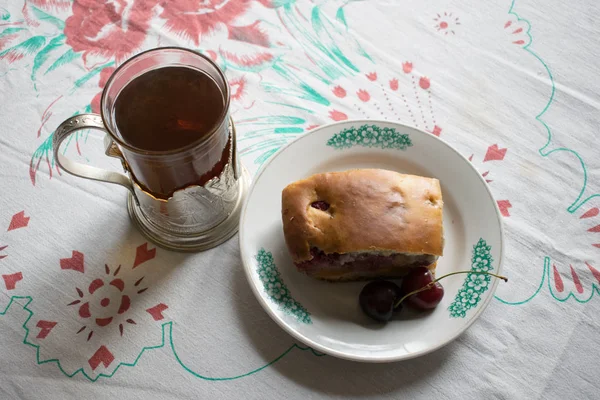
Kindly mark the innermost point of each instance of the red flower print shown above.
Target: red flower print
(7, 39)
(394, 84)
(337, 115)
(372, 76)
(363, 95)
(19, 220)
(504, 205)
(592, 212)
(10, 281)
(251, 61)
(518, 31)
(194, 18)
(339, 91)
(104, 75)
(237, 86)
(495, 153)
(51, 4)
(270, 3)
(251, 34)
(108, 28)
(446, 23)
(105, 299)
(407, 67)
(424, 82)
(212, 54)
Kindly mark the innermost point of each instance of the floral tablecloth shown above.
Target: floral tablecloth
(90, 309)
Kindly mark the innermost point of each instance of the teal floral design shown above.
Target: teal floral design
(477, 282)
(276, 288)
(370, 136)
(475, 285)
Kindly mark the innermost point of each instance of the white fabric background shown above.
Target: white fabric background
(485, 90)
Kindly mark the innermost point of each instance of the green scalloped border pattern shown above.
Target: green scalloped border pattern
(277, 290)
(166, 327)
(370, 136)
(475, 285)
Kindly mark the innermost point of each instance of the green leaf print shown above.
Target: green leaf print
(45, 53)
(4, 14)
(42, 16)
(66, 58)
(10, 31)
(23, 49)
(341, 17)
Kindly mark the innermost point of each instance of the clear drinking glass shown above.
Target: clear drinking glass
(185, 198)
(163, 172)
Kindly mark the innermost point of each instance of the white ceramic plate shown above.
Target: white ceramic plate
(326, 316)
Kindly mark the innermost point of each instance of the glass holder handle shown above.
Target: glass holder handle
(88, 121)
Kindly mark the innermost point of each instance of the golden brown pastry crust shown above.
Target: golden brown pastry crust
(370, 210)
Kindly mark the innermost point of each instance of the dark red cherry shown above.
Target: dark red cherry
(377, 299)
(427, 299)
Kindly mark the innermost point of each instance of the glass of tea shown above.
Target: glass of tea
(166, 116)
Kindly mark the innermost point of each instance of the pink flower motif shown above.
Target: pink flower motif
(310, 127)
(7, 39)
(495, 153)
(436, 130)
(270, 3)
(337, 115)
(394, 84)
(363, 95)
(592, 212)
(212, 54)
(250, 33)
(248, 60)
(18, 221)
(424, 82)
(237, 86)
(108, 29)
(504, 205)
(195, 18)
(339, 91)
(518, 31)
(60, 5)
(105, 299)
(407, 67)
(372, 76)
(446, 23)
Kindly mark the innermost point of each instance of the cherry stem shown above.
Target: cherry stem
(430, 284)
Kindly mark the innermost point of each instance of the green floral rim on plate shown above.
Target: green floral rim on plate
(475, 285)
(370, 136)
(277, 290)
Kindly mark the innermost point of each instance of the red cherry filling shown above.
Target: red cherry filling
(320, 205)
